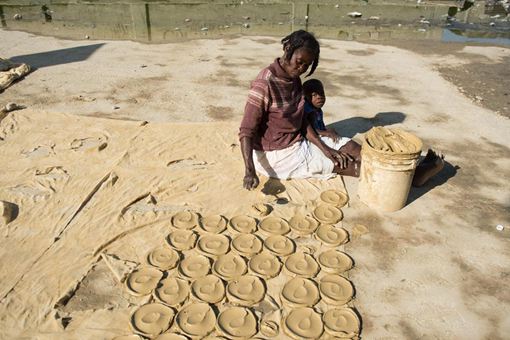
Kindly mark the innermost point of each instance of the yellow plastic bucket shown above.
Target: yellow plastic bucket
(388, 161)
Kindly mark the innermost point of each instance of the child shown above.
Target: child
(314, 101)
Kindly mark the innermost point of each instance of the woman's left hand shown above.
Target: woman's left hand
(339, 158)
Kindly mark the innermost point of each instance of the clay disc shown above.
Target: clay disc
(303, 225)
(185, 220)
(237, 323)
(274, 226)
(334, 261)
(213, 223)
(208, 289)
(243, 224)
(152, 319)
(195, 266)
(171, 336)
(197, 319)
(128, 337)
(303, 323)
(229, 266)
(341, 322)
(336, 290)
(172, 291)
(163, 258)
(329, 214)
(247, 244)
(143, 281)
(334, 197)
(265, 265)
(301, 264)
(280, 245)
(213, 245)
(331, 236)
(300, 292)
(246, 290)
(182, 239)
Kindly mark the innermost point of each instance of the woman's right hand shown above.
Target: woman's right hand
(339, 158)
(250, 181)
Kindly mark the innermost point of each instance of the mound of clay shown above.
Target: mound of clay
(171, 336)
(301, 264)
(185, 220)
(243, 224)
(182, 239)
(143, 281)
(334, 261)
(331, 236)
(163, 258)
(197, 319)
(229, 266)
(246, 290)
(152, 319)
(336, 290)
(280, 245)
(300, 292)
(274, 226)
(172, 291)
(341, 323)
(265, 265)
(214, 223)
(195, 266)
(213, 245)
(334, 197)
(237, 323)
(303, 225)
(247, 244)
(303, 323)
(328, 214)
(208, 289)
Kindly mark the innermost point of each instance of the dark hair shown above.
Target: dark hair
(312, 85)
(303, 39)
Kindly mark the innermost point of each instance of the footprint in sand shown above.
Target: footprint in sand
(40, 151)
(89, 144)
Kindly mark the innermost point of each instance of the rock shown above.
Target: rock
(246, 25)
(246, 18)
(204, 29)
(11, 107)
(17, 16)
(492, 24)
(187, 20)
(355, 14)
(374, 18)
(87, 37)
(8, 212)
(115, 107)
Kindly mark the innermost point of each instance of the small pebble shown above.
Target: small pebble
(246, 25)
(187, 20)
(87, 37)
(204, 29)
(500, 227)
(115, 107)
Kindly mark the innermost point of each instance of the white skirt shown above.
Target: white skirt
(300, 160)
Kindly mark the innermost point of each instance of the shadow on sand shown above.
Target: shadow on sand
(441, 178)
(351, 126)
(57, 57)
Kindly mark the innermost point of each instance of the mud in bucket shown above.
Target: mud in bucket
(388, 161)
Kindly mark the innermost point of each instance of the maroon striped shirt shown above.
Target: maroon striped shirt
(274, 114)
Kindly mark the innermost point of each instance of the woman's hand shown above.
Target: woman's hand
(250, 181)
(339, 158)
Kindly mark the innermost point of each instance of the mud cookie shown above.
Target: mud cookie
(128, 337)
(265, 265)
(197, 319)
(243, 224)
(163, 258)
(171, 336)
(334, 197)
(237, 323)
(274, 226)
(334, 261)
(328, 214)
(303, 323)
(229, 266)
(195, 266)
(143, 281)
(172, 291)
(208, 289)
(301, 264)
(246, 290)
(152, 319)
(213, 245)
(182, 239)
(341, 322)
(303, 225)
(335, 290)
(280, 245)
(213, 223)
(247, 244)
(300, 292)
(331, 236)
(185, 220)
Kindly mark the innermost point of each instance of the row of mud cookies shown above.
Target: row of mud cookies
(214, 278)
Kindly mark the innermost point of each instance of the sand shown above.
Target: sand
(96, 194)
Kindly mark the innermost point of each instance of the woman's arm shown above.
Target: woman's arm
(338, 158)
(250, 181)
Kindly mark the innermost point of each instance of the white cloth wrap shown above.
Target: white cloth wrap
(300, 160)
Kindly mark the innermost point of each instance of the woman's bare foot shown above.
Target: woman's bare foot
(430, 166)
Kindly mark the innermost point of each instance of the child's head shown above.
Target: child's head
(314, 92)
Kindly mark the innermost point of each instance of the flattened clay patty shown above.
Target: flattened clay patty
(195, 266)
(171, 336)
(300, 292)
(237, 323)
(334, 197)
(303, 323)
(302, 264)
(142, 281)
(274, 226)
(197, 319)
(335, 289)
(335, 261)
(328, 214)
(229, 266)
(163, 258)
(185, 220)
(152, 319)
(265, 265)
(213, 223)
(209, 289)
(303, 225)
(243, 224)
(247, 244)
(214, 244)
(280, 245)
(331, 236)
(341, 322)
(246, 290)
(172, 291)
(182, 239)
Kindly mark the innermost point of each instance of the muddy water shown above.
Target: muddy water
(168, 21)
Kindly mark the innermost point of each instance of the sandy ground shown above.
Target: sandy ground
(436, 269)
